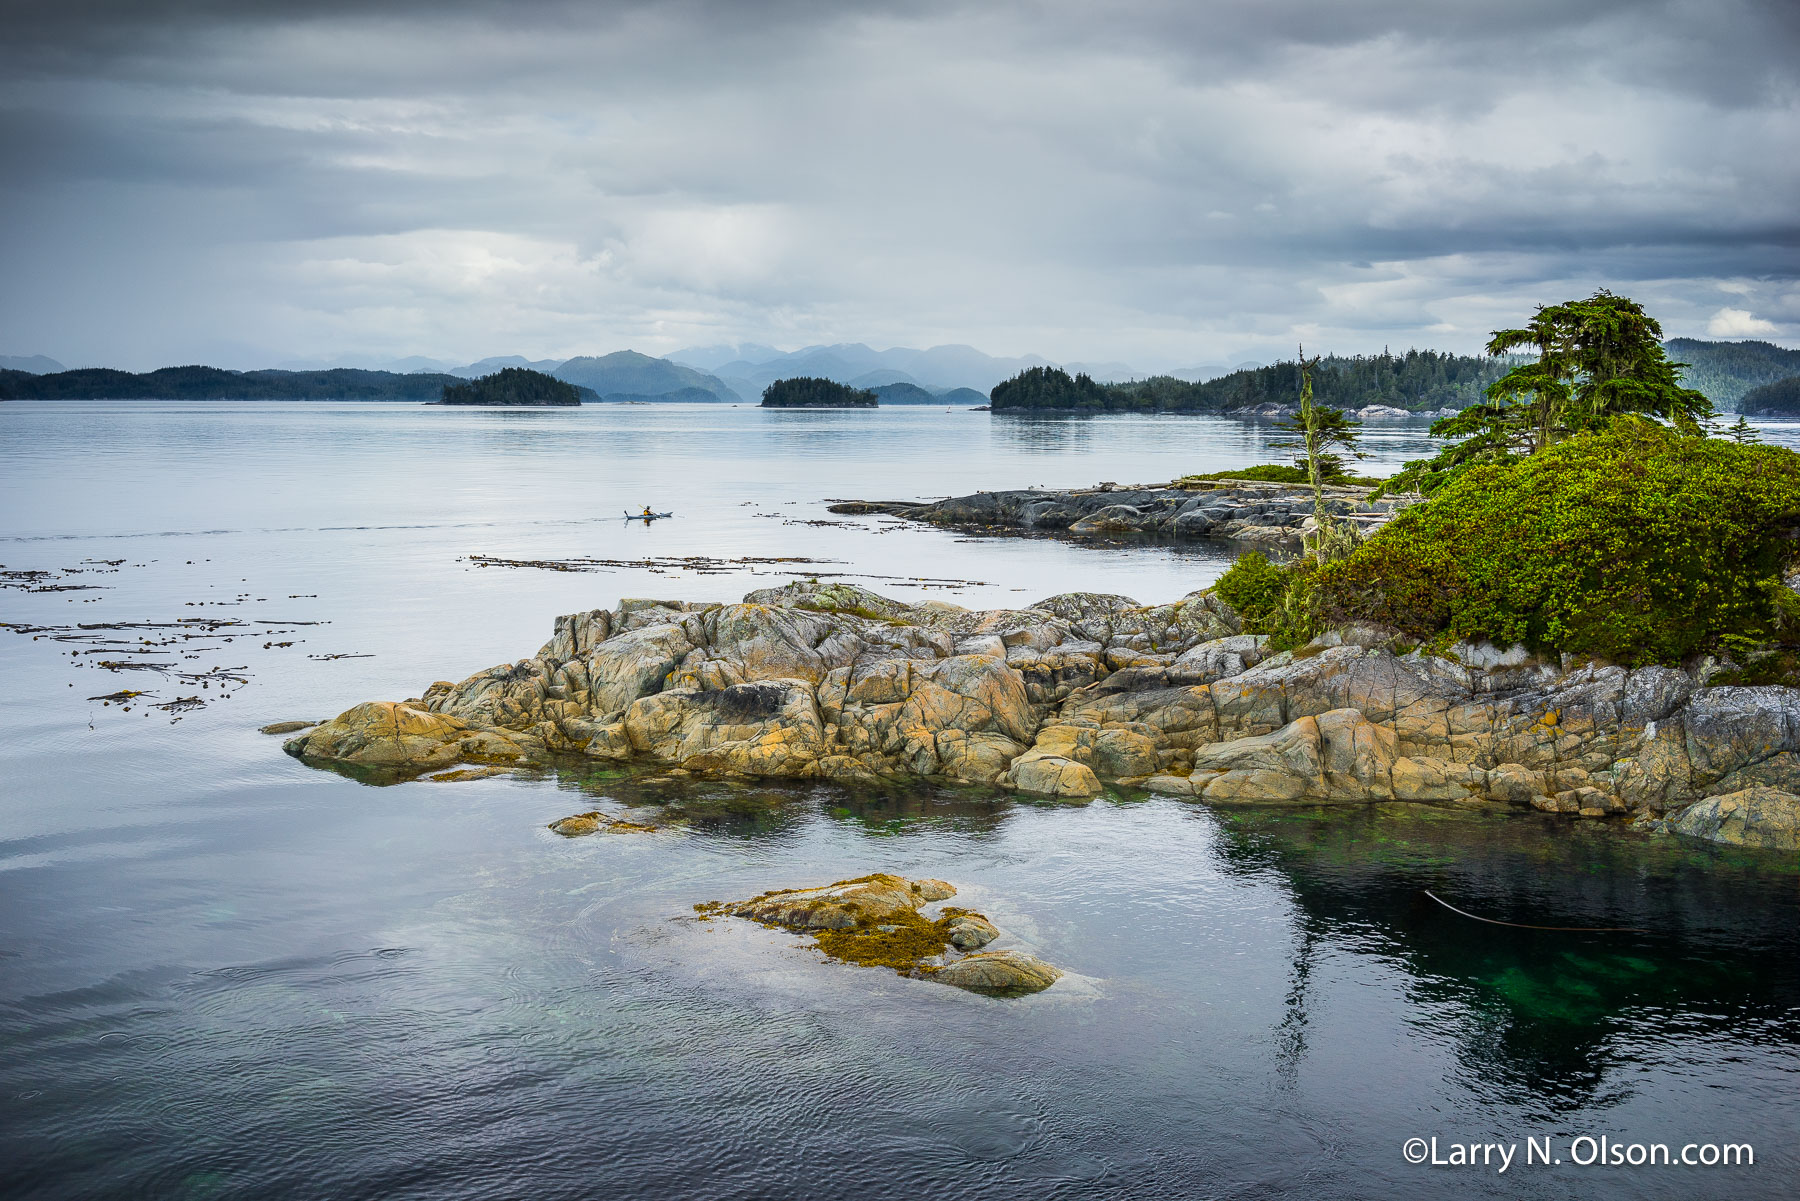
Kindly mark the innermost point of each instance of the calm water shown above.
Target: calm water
(223, 974)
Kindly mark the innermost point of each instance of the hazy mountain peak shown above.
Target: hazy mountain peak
(37, 364)
(640, 376)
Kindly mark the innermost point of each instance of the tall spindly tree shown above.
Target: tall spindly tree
(1322, 437)
(1596, 360)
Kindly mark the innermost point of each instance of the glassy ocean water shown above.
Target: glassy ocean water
(223, 974)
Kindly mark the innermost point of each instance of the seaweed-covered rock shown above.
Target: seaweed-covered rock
(594, 822)
(874, 921)
(867, 899)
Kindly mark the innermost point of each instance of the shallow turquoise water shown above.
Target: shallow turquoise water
(223, 974)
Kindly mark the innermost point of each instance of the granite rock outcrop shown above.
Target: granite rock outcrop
(1083, 691)
(1242, 510)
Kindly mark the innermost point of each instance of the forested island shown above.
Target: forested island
(811, 392)
(517, 386)
(214, 383)
(1773, 400)
(1417, 381)
(1779, 399)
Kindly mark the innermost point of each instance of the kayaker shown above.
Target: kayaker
(647, 513)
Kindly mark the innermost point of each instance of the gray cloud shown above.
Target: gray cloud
(1162, 183)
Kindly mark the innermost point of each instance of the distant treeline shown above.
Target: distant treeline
(1779, 399)
(1725, 371)
(212, 383)
(810, 392)
(513, 386)
(1417, 380)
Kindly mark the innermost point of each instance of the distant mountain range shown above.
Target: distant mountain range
(35, 364)
(751, 368)
(626, 374)
(953, 375)
(736, 373)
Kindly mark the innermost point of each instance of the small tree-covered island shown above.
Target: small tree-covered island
(1582, 605)
(513, 386)
(808, 392)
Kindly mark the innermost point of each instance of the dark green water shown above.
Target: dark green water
(223, 974)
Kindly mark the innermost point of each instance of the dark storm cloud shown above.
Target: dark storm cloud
(1156, 182)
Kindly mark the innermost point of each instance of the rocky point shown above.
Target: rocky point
(1241, 510)
(1083, 690)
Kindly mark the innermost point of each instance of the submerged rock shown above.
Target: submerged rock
(464, 774)
(1083, 691)
(286, 727)
(594, 822)
(874, 921)
(1755, 817)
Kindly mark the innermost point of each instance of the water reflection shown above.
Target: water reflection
(1556, 1016)
(728, 809)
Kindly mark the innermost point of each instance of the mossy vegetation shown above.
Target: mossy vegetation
(900, 941)
(1585, 513)
(849, 600)
(1637, 544)
(1281, 473)
(861, 611)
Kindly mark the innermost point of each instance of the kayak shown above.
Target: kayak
(646, 517)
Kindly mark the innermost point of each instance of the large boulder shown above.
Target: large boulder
(390, 734)
(999, 973)
(768, 728)
(1050, 775)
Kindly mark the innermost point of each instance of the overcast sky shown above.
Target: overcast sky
(1160, 183)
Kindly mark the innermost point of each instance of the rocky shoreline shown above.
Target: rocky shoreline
(1243, 510)
(1083, 691)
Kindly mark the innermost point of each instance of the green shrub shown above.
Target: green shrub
(1636, 545)
(1271, 598)
(1253, 586)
